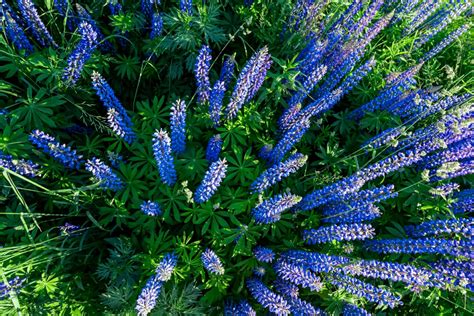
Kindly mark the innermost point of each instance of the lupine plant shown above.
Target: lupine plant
(292, 157)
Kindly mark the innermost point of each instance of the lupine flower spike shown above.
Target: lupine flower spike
(21, 166)
(211, 262)
(164, 160)
(263, 254)
(117, 116)
(16, 35)
(249, 81)
(201, 70)
(150, 208)
(211, 182)
(268, 299)
(60, 152)
(214, 148)
(35, 25)
(156, 25)
(178, 126)
(80, 54)
(104, 175)
(149, 294)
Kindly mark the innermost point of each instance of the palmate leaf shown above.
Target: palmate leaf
(152, 115)
(127, 67)
(36, 110)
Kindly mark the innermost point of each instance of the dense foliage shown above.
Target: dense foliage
(236, 157)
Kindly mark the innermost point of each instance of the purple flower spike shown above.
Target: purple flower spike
(249, 81)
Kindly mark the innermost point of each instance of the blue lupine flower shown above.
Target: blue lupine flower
(451, 170)
(287, 289)
(339, 190)
(457, 248)
(310, 57)
(462, 271)
(304, 16)
(242, 308)
(214, 148)
(149, 294)
(64, 10)
(115, 7)
(16, 34)
(288, 117)
(396, 272)
(20, 166)
(413, 103)
(80, 54)
(269, 211)
(411, 275)
(444, 104)
(365, 213)
(148, 7)
(12, 285)
(298, 275)
(396, 86)
(442, 22)
(359, 200)
(227, 71)
(178, 126)
(317, 108)
(445, 42)
(84, 16)
(307, 86)
(117, 116)
(339, 72)
(278, 172)
(316, 262)
(35, 25)
(463, 226)
(464, 202)
(392, 163)
(103, 174)
(62, 153)
(364, 290)
(263, 254)
(458, 151)
(338, 232)
(156, 25)
(215, 101)
(355, 77)
(288, 140)
(352, 310)
(211, 182)
(300, 307)
(424, 11)
(249, 81)
(165, 268)
(186, 6)
(268, 299)
(211, 262)
(68, 229)
(150, 208)
(445, 189)
(386, 137)
(118, 126)
(164, 160)
(201, 71)
(6, 10)
(369, 14)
